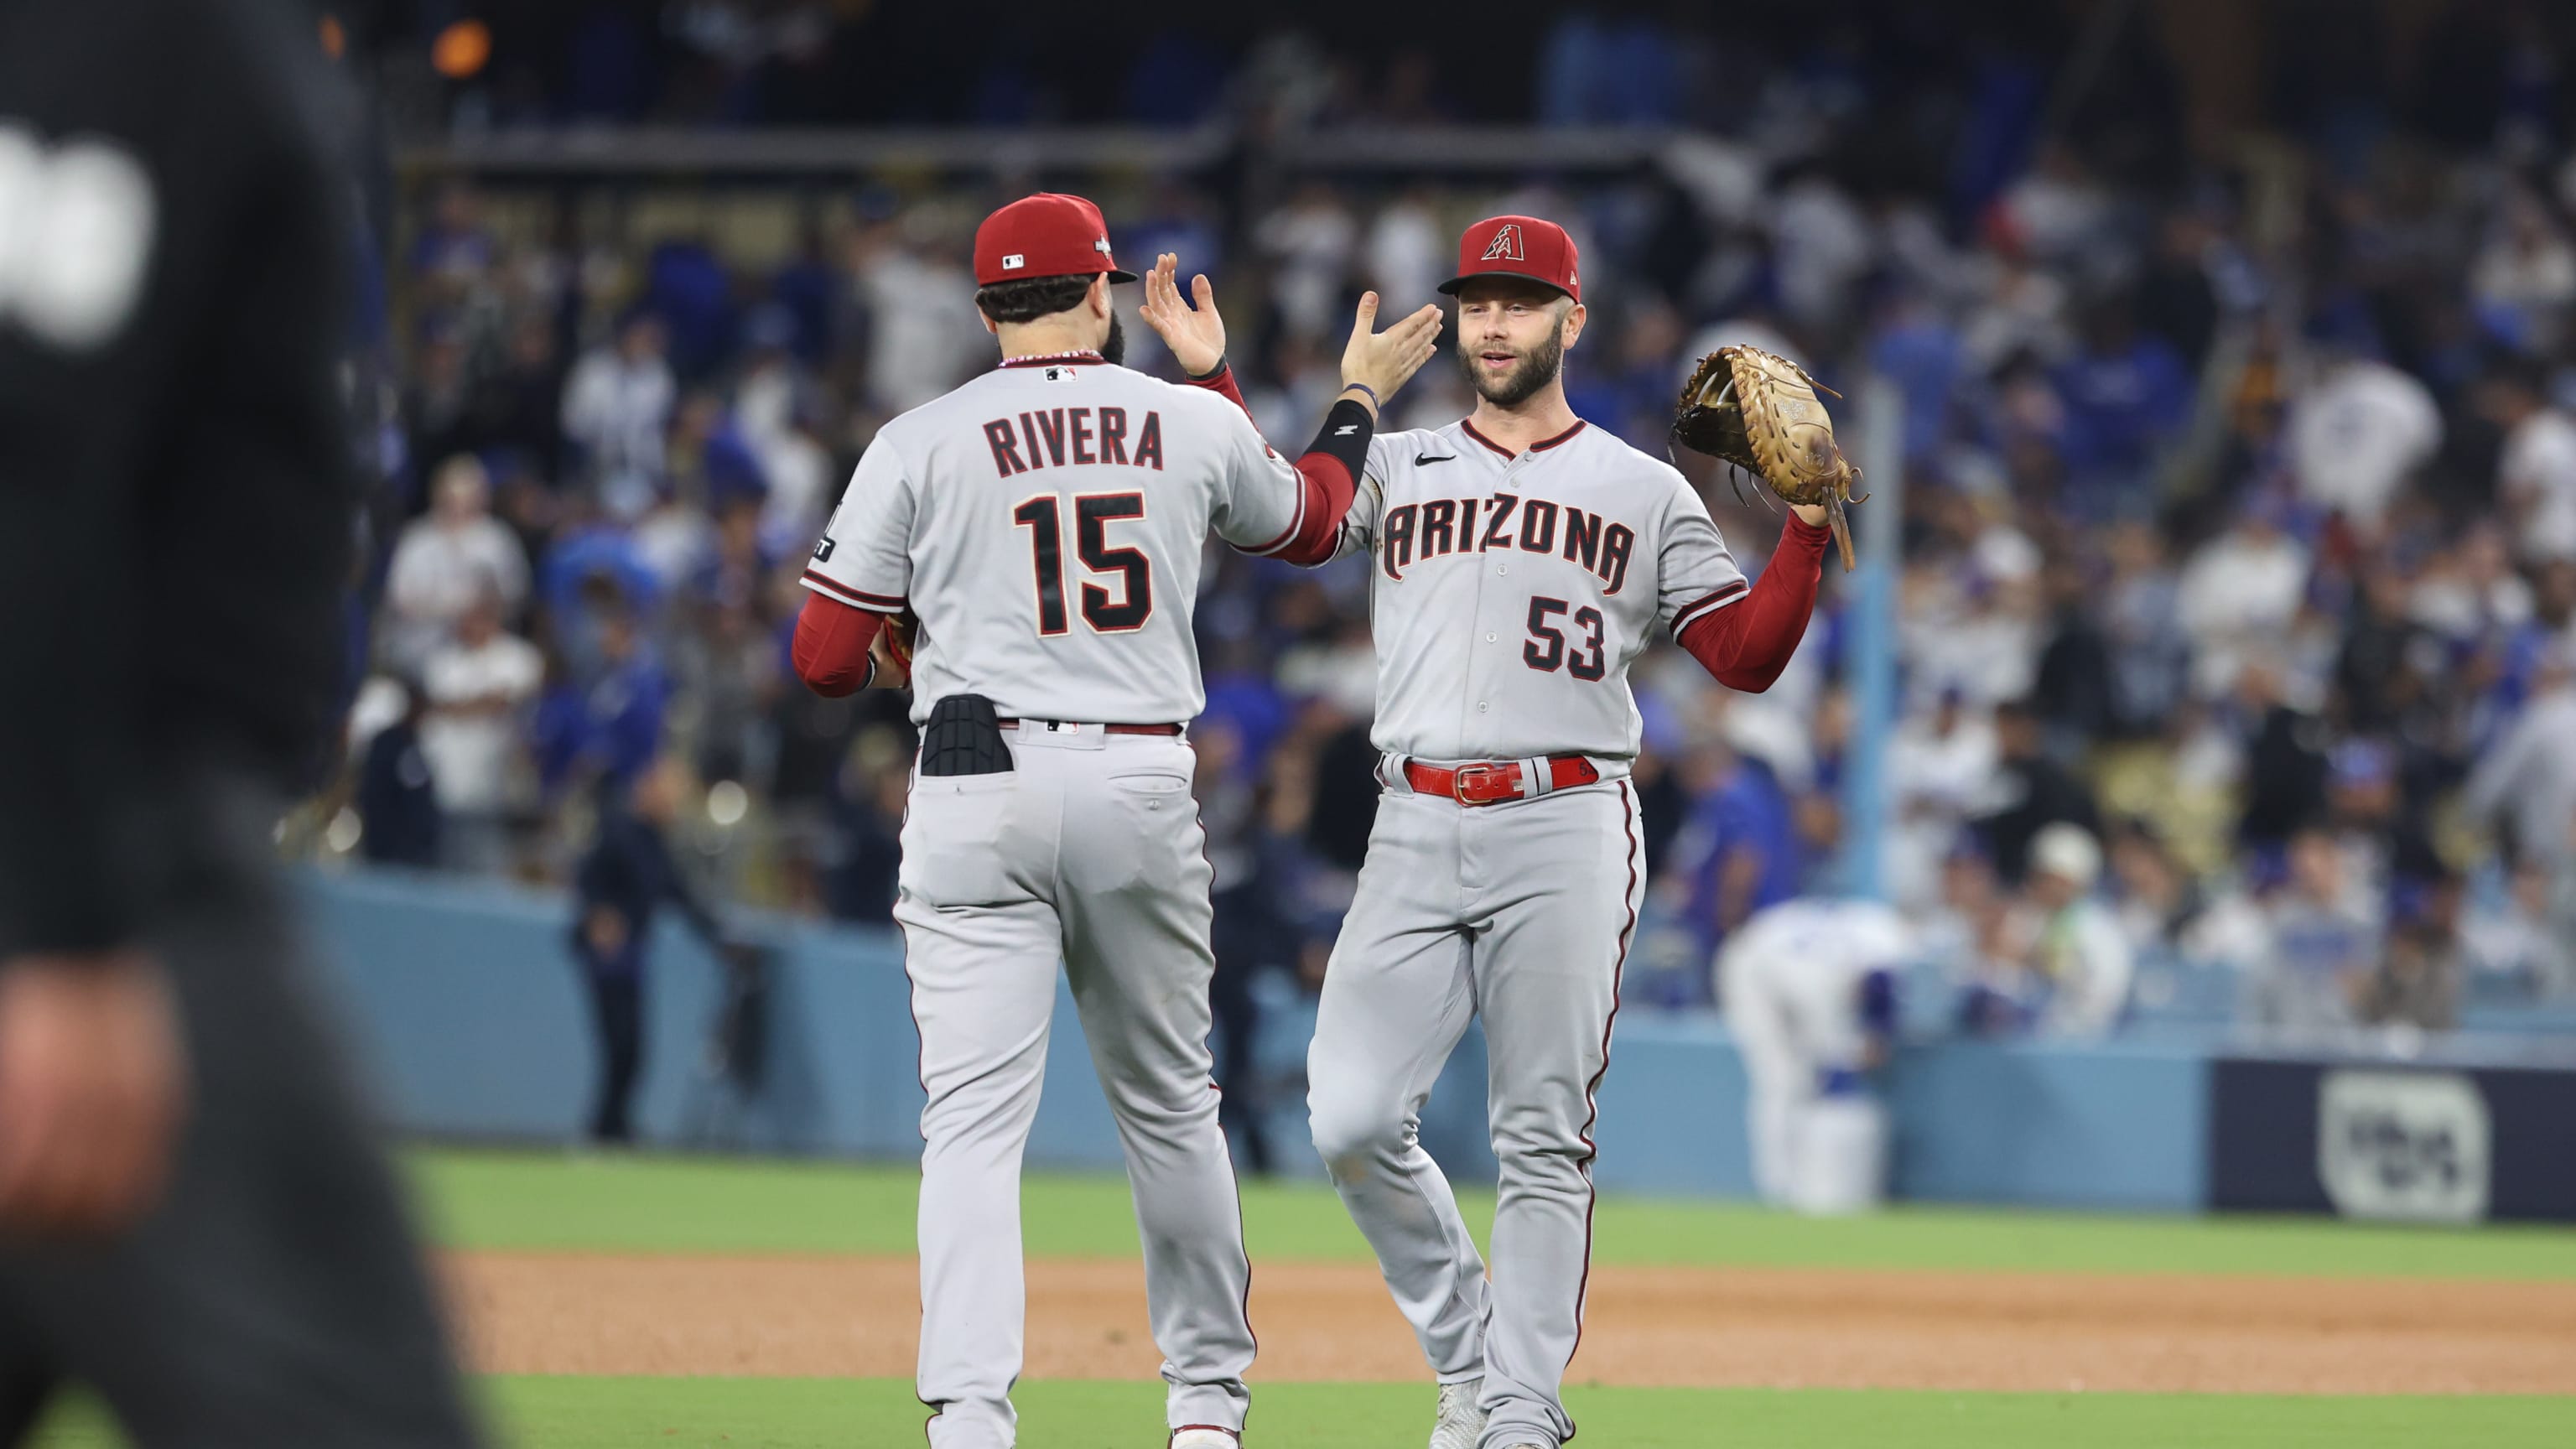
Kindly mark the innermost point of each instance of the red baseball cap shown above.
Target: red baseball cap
(1046, 235)
(1517, 246)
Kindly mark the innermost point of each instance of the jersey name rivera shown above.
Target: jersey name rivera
(1078, 436)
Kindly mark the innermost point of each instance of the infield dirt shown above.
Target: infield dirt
(599, 1313)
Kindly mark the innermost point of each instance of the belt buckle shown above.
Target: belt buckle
(1485, 784)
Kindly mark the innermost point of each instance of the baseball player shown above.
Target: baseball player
(1809, 989)
(1520, 560)
(1045, 522)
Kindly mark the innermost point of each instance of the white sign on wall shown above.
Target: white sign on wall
(2405, 1145)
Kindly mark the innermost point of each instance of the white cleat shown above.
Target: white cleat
(1462, 1418)
(1206, 1436)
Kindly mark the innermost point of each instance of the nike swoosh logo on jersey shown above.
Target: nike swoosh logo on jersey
(1428, 458)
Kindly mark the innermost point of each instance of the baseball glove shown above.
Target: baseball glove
(899, 633)
(1759, 411)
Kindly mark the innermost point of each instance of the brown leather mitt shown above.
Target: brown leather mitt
(1759, 411)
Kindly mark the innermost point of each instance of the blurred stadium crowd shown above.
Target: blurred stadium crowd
(2239, 524)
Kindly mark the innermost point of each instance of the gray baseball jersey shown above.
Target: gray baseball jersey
(1045, 522)
(1511, 593)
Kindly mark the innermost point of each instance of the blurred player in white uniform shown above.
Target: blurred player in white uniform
(1046, 523)
(1519, 560)
(1809, 991)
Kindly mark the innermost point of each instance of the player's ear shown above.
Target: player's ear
(1572, 324)
(989, 324)
(1098, 298)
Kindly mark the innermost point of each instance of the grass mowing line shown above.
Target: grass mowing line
(721, 1413)
(481, 1199)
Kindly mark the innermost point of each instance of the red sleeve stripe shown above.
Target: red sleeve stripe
(1698, 609)
(880, 603)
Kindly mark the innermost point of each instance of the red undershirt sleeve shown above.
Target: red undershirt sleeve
(831, 646)
(1747, 644)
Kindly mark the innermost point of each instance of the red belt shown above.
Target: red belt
(1485, 784)
(1115, 729)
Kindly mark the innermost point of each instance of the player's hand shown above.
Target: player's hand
(604, 929)
(1382, 361)
(93, 1085)
(1810, 514)
(1196, 335)
(893, 667)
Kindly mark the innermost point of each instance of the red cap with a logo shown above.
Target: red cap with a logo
(1517, 246)
(1046, 235)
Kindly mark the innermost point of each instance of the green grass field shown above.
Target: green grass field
(644, 1204)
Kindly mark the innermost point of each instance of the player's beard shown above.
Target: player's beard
(1113, 349)
(1538, 367)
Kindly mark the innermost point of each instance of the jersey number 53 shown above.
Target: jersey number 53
(1546, 649)
(1127, 611)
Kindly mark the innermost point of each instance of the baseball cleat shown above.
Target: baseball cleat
(1205, 1436)
(1462, 1418)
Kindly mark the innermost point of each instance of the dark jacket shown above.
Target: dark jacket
(629, 870)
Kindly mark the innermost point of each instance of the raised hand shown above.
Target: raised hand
(1382, 361)
(1196, 335)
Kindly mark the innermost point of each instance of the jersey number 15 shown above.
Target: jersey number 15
(1127, 611)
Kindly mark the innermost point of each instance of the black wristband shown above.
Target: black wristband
(1211, 375)
(1345, 435)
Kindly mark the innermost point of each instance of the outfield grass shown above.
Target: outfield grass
(726, 1413)
(716, 1205)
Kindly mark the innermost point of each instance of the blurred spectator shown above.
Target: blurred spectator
(2357, 435)
(865, 858)
(397, 799)
(623, 883)
(1936, 767)
(2418, 980)
(2240, 592)
(518, 406)
(616, 408)
(2154, 899)
(924, 334)
(2322, 949)
(2285, 761)
(2520, 948)
(447, 559)
(1739, 851)
(2078, 959)
(2527, 783)
(2525, 276)
(2126, 393)
(479, 686)
(2027, 792)
(1311, 241)
(607, 731)
(2536, 473)
(2144, 645)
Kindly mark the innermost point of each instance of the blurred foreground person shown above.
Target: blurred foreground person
(193, 1220)
(1809, 988)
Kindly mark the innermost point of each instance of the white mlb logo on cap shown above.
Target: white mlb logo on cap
(1014, 262)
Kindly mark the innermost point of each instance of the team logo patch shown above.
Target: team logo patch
(823, 551)
(1506, 245)
(1101, 246)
